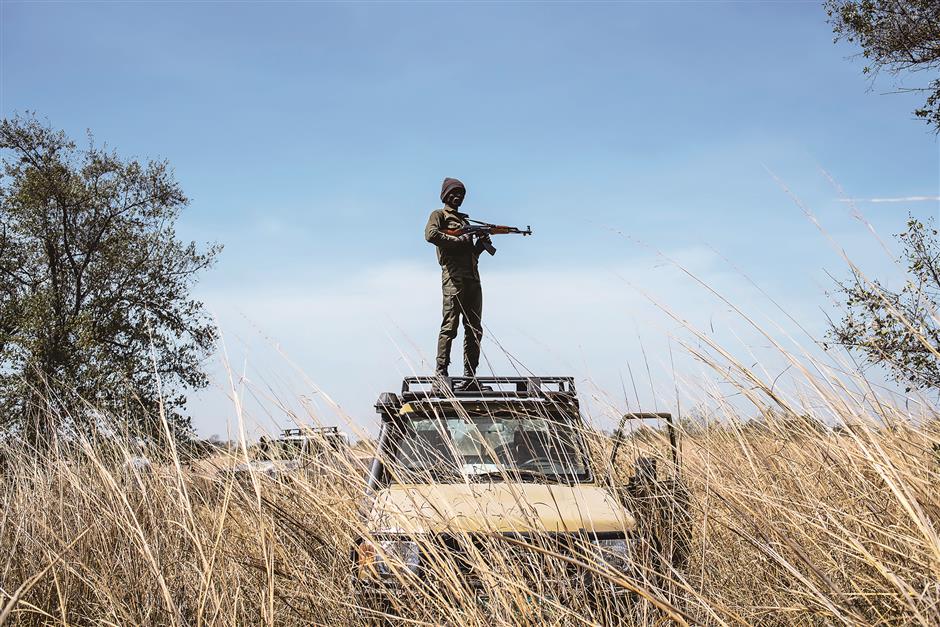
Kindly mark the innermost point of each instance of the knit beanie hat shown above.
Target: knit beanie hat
(450, 185)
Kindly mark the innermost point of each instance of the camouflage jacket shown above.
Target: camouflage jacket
(458, 259)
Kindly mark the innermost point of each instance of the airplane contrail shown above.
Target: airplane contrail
(901, 199)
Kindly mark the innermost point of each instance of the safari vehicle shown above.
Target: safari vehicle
(483, 483)
(295, 450)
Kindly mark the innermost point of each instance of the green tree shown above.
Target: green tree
(899, 330)
(96, 317)
(897, 36)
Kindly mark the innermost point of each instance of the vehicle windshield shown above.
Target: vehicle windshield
(272, 450)
(487, 448)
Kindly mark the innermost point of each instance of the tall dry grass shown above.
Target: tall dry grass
(793, 523)
(824, 510)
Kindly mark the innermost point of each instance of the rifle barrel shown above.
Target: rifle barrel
(493, 229)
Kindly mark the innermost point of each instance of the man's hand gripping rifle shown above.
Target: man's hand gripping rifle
(484, 230)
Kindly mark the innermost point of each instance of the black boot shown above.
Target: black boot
(441, 384)
(470, 384)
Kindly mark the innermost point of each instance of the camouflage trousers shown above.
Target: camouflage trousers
(463, 299)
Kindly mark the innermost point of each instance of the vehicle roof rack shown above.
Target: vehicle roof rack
(446, 388)
(309, 431)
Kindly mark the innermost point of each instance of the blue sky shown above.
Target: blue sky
(312, 139)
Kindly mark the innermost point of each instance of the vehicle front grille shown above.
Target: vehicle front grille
(481, 558)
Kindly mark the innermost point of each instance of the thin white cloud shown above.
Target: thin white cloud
(898, 199)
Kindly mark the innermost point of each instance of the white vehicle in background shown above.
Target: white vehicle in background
(311, 450)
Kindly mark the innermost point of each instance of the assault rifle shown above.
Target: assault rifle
(485, 228)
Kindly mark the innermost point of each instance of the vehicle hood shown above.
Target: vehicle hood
(497, 508)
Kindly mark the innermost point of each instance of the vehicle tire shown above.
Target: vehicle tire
(375, 607)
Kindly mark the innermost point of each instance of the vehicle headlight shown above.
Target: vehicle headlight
(388, 558)
(615, 552)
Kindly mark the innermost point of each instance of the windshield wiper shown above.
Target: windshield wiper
(435, 472)
(529, 476)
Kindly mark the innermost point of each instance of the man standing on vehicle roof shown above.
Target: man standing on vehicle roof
(460, 279)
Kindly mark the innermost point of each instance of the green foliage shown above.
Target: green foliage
(900, 330)
(95, 312)
(895, 35)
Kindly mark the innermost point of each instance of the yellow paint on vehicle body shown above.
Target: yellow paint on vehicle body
(497, 507)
